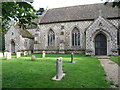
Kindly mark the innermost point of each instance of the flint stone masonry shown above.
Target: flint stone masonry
(106, 29)
(8, 55)
(1, 55)
(59, 71)
(33, 58)
(86, 18)
(21, 39)
(18, 54)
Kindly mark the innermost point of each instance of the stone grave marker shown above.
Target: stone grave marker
(29, 52)
(5, 54)
(59, 73)
(8, 56)
(18, 54)
(43, 54)
(1, 55)
(72, 58)
(33, 58)
(25, 53)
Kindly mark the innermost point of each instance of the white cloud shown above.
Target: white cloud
(61, 3)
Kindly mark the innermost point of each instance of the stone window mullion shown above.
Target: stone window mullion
(74, 39)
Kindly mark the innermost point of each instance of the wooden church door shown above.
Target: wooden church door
(100, 45)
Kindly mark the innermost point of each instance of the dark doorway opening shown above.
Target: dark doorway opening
(100, 44)
(12, 47)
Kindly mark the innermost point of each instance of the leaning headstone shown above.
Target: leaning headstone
(33, 58)
(59, 73)
(5, 54)
(1, 55)
(18, 54)
(72, 58)
(43, 54)
(8, 56)
(25, 53)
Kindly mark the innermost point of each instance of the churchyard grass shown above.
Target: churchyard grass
(115, 59)
(24, 73)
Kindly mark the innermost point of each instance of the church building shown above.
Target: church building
(90, 29)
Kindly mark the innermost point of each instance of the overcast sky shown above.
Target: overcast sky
(62, 3)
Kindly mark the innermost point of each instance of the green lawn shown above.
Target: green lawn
(24, 73)
(115, 59)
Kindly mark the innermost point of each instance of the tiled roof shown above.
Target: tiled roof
(80, 12)
(23, 32)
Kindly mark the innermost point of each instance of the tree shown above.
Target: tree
(40, 11)
(17, 11)
(23, 12)
(115, 3)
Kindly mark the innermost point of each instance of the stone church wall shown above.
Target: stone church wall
(20, 43)
(101, 25)
(12, 35)
(67, 28)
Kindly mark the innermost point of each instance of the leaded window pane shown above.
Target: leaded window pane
(75, 37)
(51, 38)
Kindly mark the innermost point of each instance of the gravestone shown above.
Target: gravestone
(8, 56)
(1, 55)
(43, 54)
(59, 73)
(72, 58)
(18, 54)
(5, 54)
(25, 53)
(33, 58)
(29, 52)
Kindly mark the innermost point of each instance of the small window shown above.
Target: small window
(36, 42)
(62, 27)
(12, 33)
(36, 34)
(100, 24)
(25, 43)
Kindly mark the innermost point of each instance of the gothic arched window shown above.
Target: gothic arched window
(75, 37)
(51, 38)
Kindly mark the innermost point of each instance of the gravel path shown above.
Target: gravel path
(111, 69)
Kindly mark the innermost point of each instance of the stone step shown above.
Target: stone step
(102, 57)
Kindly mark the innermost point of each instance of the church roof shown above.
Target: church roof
(80, 12)
(23, 32)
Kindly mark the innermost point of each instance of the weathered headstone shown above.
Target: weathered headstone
(8, 56)
(33, 58)
(1, 55)
(72, 58)
(43, 54)
(25, 53)
(18, 54)
(29, 52)
(5, 54)
(59, 73)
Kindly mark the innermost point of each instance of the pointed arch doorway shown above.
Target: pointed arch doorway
(12, 47)
(100, 44)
